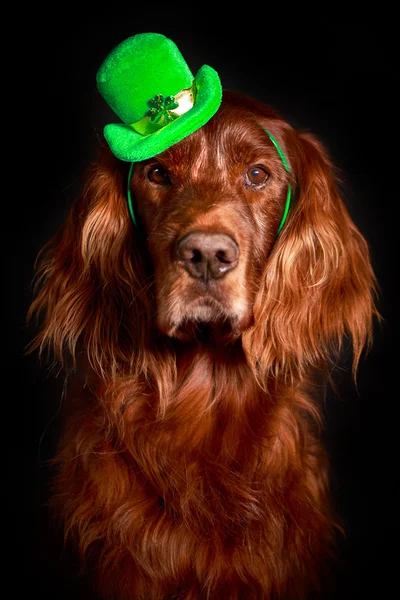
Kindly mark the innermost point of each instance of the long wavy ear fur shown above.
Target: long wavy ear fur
(91, 291)
(318, 286)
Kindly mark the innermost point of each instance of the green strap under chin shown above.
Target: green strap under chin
(285, 164)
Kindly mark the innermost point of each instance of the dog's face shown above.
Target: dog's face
(211, 207)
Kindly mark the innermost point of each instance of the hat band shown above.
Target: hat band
(164, 110)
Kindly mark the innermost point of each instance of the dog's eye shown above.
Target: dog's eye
(256, 175)
(158, 175)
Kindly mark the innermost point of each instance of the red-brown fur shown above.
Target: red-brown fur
(194, 469)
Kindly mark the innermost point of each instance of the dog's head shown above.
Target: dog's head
(206, 258)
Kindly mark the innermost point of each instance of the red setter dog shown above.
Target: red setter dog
(193, 468)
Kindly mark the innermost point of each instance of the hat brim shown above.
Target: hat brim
(128, 145)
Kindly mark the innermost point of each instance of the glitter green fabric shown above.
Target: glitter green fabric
(133, 73)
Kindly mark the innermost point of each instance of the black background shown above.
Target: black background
(335, 78)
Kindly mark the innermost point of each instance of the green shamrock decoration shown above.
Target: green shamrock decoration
(160, 107)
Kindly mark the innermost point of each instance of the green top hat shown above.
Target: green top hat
(149, 86)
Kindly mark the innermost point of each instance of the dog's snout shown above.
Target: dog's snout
(208, 255)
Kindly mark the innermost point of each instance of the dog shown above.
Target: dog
(191, 464)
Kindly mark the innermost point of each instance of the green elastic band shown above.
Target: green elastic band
(285, 212)
(130, 205)
(285, 164)
(287, 168)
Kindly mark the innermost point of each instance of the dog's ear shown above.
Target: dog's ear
(318, 285)
(90, 287)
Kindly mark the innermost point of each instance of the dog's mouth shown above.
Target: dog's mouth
(205, 320)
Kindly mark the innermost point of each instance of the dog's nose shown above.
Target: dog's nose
(208, 255)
